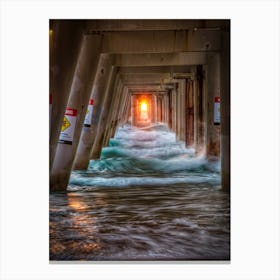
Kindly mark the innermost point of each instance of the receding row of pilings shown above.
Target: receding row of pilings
(90, 97)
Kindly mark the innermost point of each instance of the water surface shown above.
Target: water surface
(147, 198)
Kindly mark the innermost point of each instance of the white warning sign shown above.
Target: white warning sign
(68, 126)
(88, 117)
(217, 114)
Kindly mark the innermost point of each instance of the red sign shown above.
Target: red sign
(91, 102)
(71, 112)
(217, 99)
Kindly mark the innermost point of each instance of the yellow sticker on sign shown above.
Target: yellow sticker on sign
(68, 126)
(65, 124)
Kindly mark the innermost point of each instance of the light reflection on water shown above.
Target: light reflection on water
(163, 220)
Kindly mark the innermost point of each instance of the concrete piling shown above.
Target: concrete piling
(98, 94)
(64, 35)
(213, 91)
(189, 113)
(104, 117)
(77, 106)
(225, 111)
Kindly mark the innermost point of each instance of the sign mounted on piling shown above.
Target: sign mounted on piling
(68, 126)
(87, 121)
(217, 114)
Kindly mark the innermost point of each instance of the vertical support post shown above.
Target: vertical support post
(174, 119)
(213, 90)
(178, 97)
(98, 94)
(181, 105)
(189, 113)
(155, 108)
(195, 111)
(170, 109)
(199, 110)
(127, 108)
(166, 109)
(204, 107)
(117, 111)
(125, 102)
(113, 107)
(133, 109)
(98, 141)
(152, 108)
(201, 115)
(159, 107)
(112, 112)
(65, 43)
(77, 105)
(225, 111)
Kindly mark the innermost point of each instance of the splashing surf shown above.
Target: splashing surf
(146, 156)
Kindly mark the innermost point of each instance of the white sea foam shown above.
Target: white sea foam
(147, 156)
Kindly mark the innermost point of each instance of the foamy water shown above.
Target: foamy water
(146, 198)
(146, 157)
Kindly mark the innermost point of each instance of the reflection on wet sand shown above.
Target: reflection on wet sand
(140, 223)
(80, 228)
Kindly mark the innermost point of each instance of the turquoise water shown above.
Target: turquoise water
(146, 198)
(150, 156)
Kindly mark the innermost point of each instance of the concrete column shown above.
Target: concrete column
(155, 107)
(181, 107)
(199, 110)
(166, 108)
(189, 113)
(151, 108)
(163, 108)
(174, 101)
(127, 108)
(213, 90)
(65, 43)
(111, 122)
(204, 107)
(123, 112)
(170, 109)
(195, 107)
(133, 109)
(97, 145)
(159, 107)
(117, 112)
(177, 110)
(98, 95)
(177, 105)
(78, 101)
(225, 111)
